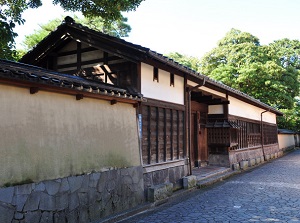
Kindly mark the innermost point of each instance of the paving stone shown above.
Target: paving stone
(267, 193)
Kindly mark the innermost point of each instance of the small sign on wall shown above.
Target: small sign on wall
(140, 124)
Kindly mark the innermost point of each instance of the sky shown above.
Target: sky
(192, 27)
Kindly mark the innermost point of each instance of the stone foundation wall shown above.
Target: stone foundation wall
(218, 160)
(271, 149)
(82, 198)
(172, 175)
(236, 156)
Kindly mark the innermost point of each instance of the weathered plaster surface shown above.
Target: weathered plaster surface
(49, 136)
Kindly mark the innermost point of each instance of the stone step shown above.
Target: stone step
(219, 176)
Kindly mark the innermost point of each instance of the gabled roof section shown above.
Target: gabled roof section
(28, 75)
(132, 52)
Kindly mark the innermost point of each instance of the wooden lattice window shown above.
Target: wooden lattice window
(269, 134)
(162, 134)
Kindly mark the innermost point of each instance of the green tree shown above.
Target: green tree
(117, 28)
(268, 73)
(11, 14)
(188, 61)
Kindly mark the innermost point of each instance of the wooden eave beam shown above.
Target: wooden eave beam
(43, 49)
(56, 89)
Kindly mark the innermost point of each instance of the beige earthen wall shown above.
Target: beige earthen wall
(286, 141)
(49, 135)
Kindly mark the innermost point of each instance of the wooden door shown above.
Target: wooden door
(199, 149)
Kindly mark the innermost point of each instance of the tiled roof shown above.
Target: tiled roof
(19, 71)
(286, 131)
(143, 53)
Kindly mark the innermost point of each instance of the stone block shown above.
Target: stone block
(244, 164)
(73, 201)
(47, 217)
(252, 162)
(276, 155)
(47, 202)
(40, 187)
(189, 181)
(6, 214)
(61, 202)
(272, 156)
(236, 166)
(19, 216)
(262, 159)
(267, 157)
(64, 187)
(24, 189)
(33, 217)
(75, 182)
(6, 194)
(160, 192)
(52, 187)
(258, 160)
(32, 203)
(19, 201)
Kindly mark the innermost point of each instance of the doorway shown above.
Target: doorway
(199, 149)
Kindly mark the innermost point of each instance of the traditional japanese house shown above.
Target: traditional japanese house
(187, 119)
(182, 119)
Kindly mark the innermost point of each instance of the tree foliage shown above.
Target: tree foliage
(117, 28)
(268, 73)
(188, 61)
(11, 14)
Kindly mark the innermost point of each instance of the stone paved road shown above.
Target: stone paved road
(269, 193)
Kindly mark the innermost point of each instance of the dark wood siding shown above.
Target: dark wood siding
(162, 133)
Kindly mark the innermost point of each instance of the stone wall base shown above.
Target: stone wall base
(81, 198)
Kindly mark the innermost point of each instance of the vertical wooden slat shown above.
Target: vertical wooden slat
(157, 135)
(183, 135)
(149, 134)
(178, 134)
(78, 56)
(171, 136)
(165, 134)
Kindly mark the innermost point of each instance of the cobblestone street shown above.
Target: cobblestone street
(269, 193)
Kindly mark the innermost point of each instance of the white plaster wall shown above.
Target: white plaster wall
(49, 135)
(161, 90)
(243, 109)
(215, 109)
(285, 140)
